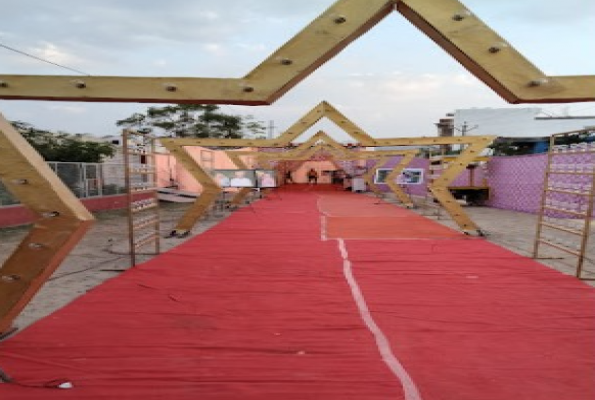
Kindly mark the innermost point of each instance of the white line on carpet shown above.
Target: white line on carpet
(395, 366)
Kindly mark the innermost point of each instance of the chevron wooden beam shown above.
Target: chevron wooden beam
(449, 23)
(61, 221)
(322, 141)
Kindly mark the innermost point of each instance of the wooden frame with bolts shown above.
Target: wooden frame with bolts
(338, 152)
(439, 188)
(447, 22)
(392, 176)
(61, 220)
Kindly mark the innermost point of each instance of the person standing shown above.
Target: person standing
(288, 177)
(312, 176)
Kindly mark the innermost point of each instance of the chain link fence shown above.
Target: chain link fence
(84, 179)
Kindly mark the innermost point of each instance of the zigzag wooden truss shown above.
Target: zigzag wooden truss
(338, 152)
(61, 218)
(439, 188)
(447, 22)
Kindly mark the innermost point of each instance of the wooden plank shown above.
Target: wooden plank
(488, 56)
(447, 22)
(369, 176)
(392, 176)
(61, 221)
(323, 142)
(439, 187)
(207, 197)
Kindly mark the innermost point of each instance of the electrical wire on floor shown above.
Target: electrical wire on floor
(87, 269)
(61, 383)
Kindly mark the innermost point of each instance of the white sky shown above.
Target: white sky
(393, 81)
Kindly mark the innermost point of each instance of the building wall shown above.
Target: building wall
(300, 175)
(517, 182)
(416, 190)
(172, 173)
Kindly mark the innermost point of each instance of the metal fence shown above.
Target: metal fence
(84, 179)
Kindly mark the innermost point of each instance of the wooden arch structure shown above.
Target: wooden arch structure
(449, 23)
(323, 142)
(61, 220)
(439, 188)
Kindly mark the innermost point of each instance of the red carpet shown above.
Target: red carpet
(260, 307)
(474, 321)
(414, 227)
(351, 216)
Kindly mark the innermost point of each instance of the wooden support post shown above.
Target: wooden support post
(439, 187)
(321, 141)
(240, 196)
(369, 176)
(235, 157)
(210, 189)
(392, 176)
(61, 221)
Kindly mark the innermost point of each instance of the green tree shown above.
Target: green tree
(194, 120)
(63, 146)
(507, 148)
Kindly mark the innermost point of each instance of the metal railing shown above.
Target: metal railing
(84, 179)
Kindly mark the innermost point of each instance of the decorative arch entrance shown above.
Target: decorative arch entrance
(473, 146)
(61, 218)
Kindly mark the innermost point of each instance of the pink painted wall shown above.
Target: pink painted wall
(516, 182)
(300, 175)
(417, 190)
(170, 172)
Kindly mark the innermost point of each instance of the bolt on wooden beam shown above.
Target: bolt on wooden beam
(61, 221)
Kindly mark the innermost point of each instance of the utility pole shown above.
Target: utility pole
(271, 129)
(465, 128)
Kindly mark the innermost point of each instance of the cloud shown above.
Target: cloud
(412, 87)
(409, 86)
(213, 48)
(136, 23)
(68, 108)
(160, 63)
(533, 11)
(112, 37)
(394, 78)
(252, 47)
(51, 52)
(466, 80)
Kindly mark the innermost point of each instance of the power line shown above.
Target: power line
(43, 60)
